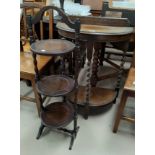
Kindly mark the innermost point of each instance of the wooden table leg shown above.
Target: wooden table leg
(38, 102)
(120, 110)
(83, 52)
(101, 58)
(89, 45)
(95, 65)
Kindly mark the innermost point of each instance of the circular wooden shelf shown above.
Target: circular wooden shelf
(52, 47)
(57, 114)
(55, 85)
(100, 99)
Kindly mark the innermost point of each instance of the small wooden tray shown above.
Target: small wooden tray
(52, 47)
(57, 114)
(55, 85)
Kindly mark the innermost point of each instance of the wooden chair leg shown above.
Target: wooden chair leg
(120, 111)
(28, 83)
(38, 102)
(133, 60)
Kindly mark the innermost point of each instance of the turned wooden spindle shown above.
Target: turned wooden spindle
(32, 40)
(77, 69)
(94, 78)
(89, 57)
(102, 54)
(83, 52)
(37, 77)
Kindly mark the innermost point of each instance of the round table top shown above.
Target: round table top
(52, 47)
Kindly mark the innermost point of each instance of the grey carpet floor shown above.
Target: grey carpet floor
(95, 136)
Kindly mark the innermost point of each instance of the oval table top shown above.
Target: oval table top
(96, 32)
(98, 29)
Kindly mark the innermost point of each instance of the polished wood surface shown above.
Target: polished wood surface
(98, 30)
(32, 5)
(55, 85)
(26, 63)
(129, 84)
(57, 114)
(59, 47)
(98, 96)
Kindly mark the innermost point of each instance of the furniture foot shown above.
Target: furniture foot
(72, 141)
(73, 134)
(85, 116)
(40, 131)
(86, 111)
(73, 137)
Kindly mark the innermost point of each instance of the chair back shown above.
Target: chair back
(116, 14)
(29, 10)
(125, 13)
